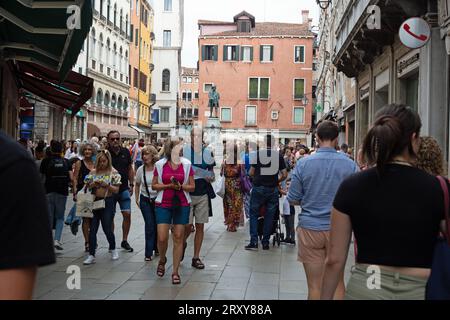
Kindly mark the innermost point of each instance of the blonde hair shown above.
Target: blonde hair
(169, 145)
(104, 153)
(151, 150)
(430, 157)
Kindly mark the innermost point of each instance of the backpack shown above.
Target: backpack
(58, 173)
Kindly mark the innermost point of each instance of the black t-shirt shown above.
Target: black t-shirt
(121, 162)
(25, 234)
(268, 164)
(56, 180)
(395, 218)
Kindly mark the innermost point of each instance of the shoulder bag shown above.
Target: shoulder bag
(438, 285)
(85, 204)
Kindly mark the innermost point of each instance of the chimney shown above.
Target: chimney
(305, 16)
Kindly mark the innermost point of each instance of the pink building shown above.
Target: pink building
(263, 72)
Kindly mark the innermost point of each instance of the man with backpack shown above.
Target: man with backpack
(57, 171)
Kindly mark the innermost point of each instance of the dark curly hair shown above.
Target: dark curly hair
(430, 157)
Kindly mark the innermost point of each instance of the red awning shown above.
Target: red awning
(70, 94)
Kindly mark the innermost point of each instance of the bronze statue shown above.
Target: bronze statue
(214, 98)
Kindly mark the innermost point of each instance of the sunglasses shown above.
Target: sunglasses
(115, 139)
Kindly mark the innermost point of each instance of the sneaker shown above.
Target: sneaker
(251, 247)
(126, 246)
(74, 227)
(58, 245)
(114, 255)
(89, 260)
(266, 247)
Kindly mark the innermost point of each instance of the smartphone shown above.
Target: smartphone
(174, 181)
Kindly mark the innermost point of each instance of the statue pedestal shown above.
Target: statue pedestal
(213, 136)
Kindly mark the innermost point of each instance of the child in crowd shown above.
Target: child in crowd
(288, 216)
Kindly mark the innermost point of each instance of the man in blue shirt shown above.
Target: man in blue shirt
(314, 184)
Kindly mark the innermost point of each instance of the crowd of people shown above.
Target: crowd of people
(388, 200)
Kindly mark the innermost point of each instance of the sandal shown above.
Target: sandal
(176, 278)
(148, 259)
(197, 263)
(161, 270)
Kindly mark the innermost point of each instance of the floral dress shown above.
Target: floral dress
(234, 196)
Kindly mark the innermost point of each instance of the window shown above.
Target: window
(299, 115)
(250, 115)
(209, 52)
(189, 96)
(143, 82)
(196, 80)
(106, 100)
(167, 5)
(115, 14)
(99, 99)
(184, 96)
(167, 38)
(247, 54)
(195, 112)
(185, 79)
(299, 56)
(136, 37)
(196, 95)
(266, 53)
(80, 70)
(207, 87)
(166, 80)
(244, 26)
(135, 78)
(164, 114)
(113, 100)
(299, 89)
(190, 80)
(231, 53)
(259, 88)
(225, 114)
(137, 8)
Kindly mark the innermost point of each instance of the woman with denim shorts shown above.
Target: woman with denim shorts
(173, 179)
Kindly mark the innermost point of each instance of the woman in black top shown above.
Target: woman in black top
(395, 211)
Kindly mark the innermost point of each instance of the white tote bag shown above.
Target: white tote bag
(85, 204)
(220, 187)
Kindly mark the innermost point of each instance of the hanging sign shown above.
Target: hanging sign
(414, 33)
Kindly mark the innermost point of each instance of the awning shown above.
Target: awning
(102, 129)
(70, 94)
(49, 33)
(137, 129)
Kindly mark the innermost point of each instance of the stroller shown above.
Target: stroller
(278, 236)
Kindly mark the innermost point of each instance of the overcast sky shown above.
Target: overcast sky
(224, 10)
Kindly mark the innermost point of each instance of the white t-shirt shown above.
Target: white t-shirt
(141, 182)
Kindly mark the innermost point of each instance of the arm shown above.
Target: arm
(76, 172)
(137, 192)
(295, 194)
(160, 186)
(190, 186)
(283, 176)
(131, 178)
(340, 234)
(17, 284)
(251, 172)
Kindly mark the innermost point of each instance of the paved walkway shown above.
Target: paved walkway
(231, 272)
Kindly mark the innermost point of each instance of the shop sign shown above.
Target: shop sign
(414, 33)
(408, 63)
(364, 92)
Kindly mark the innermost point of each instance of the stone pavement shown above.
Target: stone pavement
(230, 273)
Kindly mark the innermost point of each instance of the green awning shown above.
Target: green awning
(37, 31)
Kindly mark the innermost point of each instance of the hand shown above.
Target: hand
(131, 190)
(74, 198)
(137, 203)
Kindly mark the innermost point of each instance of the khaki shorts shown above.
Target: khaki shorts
(313, 245)
(199, 209)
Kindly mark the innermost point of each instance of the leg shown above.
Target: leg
(146, 213)
(59, 214)
(314, 273)
(272, 204)
(256, 201)
(106, 220)
(51, 208)
(178, 237)
(125, 207)
(95, 223)
(201, 210)
(85, 227)
(292, 227)
(163, 240)
(199, 234)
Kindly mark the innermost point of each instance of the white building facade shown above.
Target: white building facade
(105, 58)
(169, 29)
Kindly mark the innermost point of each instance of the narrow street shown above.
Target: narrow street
(230, 273)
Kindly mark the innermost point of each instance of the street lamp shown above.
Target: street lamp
(323, 4)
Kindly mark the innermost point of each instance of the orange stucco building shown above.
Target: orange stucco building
(262, 71)
(188, 99)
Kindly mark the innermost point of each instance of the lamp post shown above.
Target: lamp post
(323, 4)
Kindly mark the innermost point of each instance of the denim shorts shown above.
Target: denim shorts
(167, 216)
(124, 200)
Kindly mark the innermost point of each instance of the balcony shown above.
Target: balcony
(93, 64)
(103, 18)
(116, 28)
(96, 14)
(123, 33)
(110, 24)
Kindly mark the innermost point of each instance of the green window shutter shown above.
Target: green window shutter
(302, 54)
(251, 53)
(203, 53)
(216, 53)
(241, 57)
(253, 88)
(225, 53)
(264, 88)
(271, 53)
(238, 51)
(299, 88)
(261, 50)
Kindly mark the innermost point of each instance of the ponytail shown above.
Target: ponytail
(390, 135)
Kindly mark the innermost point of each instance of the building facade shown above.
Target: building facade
(188, 101)
(141, 66)
(386, 71)
(105, 59)
(263, 73)
(169, 29)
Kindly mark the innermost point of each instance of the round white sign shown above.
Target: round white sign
(415, 33)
